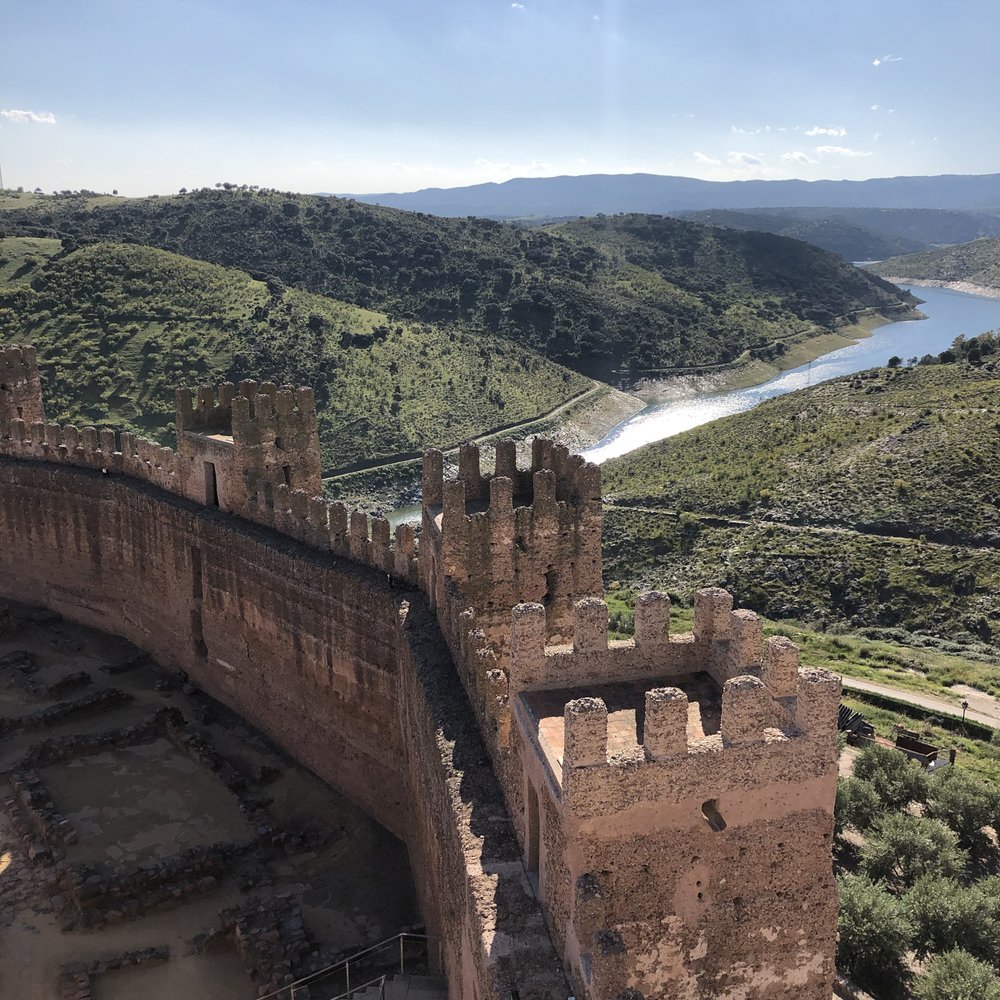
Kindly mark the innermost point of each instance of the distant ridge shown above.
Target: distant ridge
(589, 194)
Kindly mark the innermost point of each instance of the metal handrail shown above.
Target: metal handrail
(345, 965)
(357, 989)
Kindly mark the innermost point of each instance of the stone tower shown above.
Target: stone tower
(20, 387)
(233, 440)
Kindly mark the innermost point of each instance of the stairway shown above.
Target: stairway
(407, 988)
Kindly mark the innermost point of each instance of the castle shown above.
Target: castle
(615, 820)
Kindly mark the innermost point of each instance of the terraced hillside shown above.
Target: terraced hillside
(119, 326)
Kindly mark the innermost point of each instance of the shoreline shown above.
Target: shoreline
(756, 372)
(967, 287)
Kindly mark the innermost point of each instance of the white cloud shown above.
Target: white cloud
(874, 107)
(819, 130)
(709, 161)
(597, 17)
(841, 151)
(29, 117)
(797, 156)
(517, 6)
(744, 159)
(876, 136)
(886, 59)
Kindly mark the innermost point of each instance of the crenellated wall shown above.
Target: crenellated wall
(668, 800)
(346, 672)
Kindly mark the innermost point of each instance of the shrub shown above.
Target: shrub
(857, 803)
(874, 931)
(956, 975)
(964, 802)
(900, 848)
(897, 779)
(945, 914)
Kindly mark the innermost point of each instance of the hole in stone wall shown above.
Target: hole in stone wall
(551, 586)
(211, 486)
(277, 443)
(532, 836)
(710, 810)
(287, 472)
(20, 412)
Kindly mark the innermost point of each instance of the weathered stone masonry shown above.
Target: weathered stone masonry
(668, 800)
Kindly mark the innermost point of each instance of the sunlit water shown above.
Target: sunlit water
(948, 315)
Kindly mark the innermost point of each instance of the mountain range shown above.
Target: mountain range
(590, 194)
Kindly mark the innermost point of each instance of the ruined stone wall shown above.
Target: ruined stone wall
(348, 674)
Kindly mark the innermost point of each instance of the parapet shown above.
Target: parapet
(90, 448)
(572, 478)
(762, 739)
(331, 527)
(725, 644)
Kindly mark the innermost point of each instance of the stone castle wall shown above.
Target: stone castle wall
(665, 863)
(344, 671)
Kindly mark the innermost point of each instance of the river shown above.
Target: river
(948, 315)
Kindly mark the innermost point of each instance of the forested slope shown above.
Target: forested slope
(629, 294)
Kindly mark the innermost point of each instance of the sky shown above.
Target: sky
(148, 96)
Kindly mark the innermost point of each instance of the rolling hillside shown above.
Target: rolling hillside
(871, 500)
(119, 326)
(627, 295)
(861, 233)
(975, 263)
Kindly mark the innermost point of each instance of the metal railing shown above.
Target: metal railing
(387, 957)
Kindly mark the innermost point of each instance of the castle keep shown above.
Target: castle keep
(609, 819)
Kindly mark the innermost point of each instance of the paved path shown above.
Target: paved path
(988, 713)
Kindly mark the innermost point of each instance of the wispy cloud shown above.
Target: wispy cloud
(29, 117)
(797, 156)
(708, 161)
(875, 107)
(842, 151)
(744, 159)
(517, 6)
(890, 58)
(819, 130)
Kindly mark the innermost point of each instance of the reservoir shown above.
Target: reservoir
(948, 315)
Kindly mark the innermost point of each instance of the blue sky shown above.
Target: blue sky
(147, 96)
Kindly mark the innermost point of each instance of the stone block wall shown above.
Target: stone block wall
(20, 386)
(348, 674)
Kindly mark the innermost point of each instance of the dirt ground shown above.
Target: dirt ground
(132, 806)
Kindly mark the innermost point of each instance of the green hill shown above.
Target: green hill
(639, 293)
(861, 233)
(119, 326)
(870, 499)
(977, 263)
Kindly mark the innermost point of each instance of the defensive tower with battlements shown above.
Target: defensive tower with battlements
(232, 440)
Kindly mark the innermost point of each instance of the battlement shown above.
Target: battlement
(517, 534)
(724, 643)
(90, 448)
(230, 436)
(661, 703)
(20, 386)
(331, 527)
